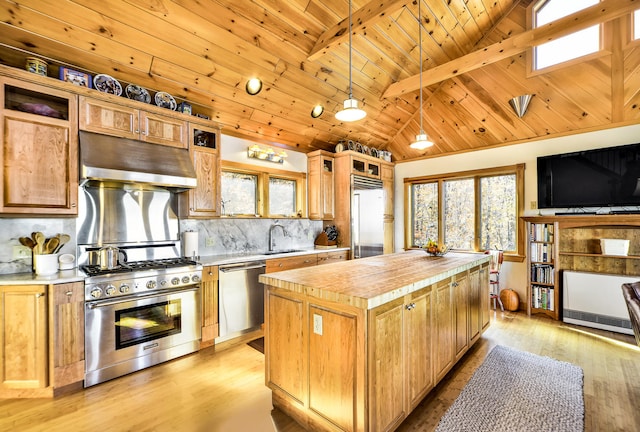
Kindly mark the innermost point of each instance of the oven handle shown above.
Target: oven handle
(228, 268)
(103, 303)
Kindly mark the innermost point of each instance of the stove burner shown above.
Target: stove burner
(94, 270)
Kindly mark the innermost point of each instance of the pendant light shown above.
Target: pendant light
(350, 111)
(422, 141)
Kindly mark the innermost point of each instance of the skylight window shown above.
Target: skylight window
(636, 25)
(569, 47)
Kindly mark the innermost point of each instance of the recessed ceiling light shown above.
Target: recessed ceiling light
(253, 87)
(317, 111)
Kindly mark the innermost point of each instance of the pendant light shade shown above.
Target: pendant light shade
(422, 141)
(350, 111)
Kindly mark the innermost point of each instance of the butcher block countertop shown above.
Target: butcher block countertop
(370, 282)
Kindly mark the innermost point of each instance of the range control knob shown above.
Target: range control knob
(110, 290)
(151, 284)
(185, 279)
(163, 282)
(96, 293)
(195, 278)
(175, 281)
(124, 288)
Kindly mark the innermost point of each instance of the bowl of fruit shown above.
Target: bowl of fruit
(432, 248)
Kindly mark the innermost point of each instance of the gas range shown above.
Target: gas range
(140, 276)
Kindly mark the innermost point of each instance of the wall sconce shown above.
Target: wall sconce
(268, 154)
(520, 104)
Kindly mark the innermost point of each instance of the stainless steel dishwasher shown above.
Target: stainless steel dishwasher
(240, 298)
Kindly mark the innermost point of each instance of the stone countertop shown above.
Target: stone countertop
(222, 259)
(76, 275)
(370, 282)
(63, 276)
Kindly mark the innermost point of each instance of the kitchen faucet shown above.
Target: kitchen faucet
(271, 230)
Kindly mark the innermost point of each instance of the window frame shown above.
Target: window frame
(517, 170)
(262, 195)
(531, 57)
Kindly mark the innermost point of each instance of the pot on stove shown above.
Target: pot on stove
(109, 257)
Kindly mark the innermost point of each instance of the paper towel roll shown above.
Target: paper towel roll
(190, 243)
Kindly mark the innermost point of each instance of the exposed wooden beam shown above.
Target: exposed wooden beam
(604, 11)
(361, 19)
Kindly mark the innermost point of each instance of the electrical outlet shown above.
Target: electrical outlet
(21, 252)
(534, 205)
(317, 324)
(209, 242)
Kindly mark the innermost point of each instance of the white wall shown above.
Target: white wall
(513, 274)
(235, 150)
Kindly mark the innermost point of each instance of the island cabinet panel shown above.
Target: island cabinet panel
(332, 373)
(209, 290)
(461, 296)
(444, 314)
(285, 346)
(387, 354)
(475, 313)
(419, 346)
(485, 304)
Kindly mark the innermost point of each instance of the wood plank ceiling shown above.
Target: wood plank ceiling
(204, 51)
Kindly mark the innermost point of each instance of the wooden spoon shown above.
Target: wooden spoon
(26, 241)
(63, 239)
(39, 237)
(51, 244)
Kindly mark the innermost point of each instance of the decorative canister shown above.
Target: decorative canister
(36, 65)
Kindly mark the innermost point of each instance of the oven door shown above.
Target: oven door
(125, 335)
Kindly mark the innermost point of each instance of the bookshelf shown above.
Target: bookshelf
(543, 294)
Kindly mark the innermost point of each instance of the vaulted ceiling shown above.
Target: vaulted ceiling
(474, 61)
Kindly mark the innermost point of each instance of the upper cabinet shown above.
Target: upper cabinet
(124, 121)
(204, 200)
(39, 167)
(320, 169)
(365, 167)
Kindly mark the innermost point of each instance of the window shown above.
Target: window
(469, 211)
(239, 193)
(636, 25)
(251, 191)
(282, 196)
(569, 47)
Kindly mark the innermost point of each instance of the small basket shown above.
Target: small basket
(614, 247)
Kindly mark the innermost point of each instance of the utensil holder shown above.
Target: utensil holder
(44, 265)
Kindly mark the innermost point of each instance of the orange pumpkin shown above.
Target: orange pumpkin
(510, 299)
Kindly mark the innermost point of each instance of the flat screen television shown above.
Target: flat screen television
(607, 177)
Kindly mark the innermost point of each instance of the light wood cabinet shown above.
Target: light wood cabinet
(204, 199)
(24, 327)
(210, 321)
(400, 358)
(127, 122)
(365, 167)
(331, 257)
(39, 166)
(461, 299)
(320, 180)
(67, 343)
(444, 309)
(289, 263)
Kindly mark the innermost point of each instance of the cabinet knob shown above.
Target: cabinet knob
(210, 273)
(69, 293)
(410, 306)
(38, 295)
(137, 131)
(280, 265)
(455, 284)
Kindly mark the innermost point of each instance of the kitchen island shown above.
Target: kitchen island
(356, 345)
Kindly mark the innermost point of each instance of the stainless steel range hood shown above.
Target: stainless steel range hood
(108, 158)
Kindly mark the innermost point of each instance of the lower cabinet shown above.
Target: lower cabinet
(42, 339)
(209, 302)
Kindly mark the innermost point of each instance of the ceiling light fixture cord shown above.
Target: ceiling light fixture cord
(420, 47)
(350, 54)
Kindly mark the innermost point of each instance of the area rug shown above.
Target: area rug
(519, 391)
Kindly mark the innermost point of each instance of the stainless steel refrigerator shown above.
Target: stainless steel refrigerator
(367, 208)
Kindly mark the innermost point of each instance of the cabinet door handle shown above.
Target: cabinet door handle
(410, 306)
(69, 293)
(38, 295)
(455, 284)
(280, 265)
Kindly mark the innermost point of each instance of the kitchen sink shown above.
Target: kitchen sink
(284, 251)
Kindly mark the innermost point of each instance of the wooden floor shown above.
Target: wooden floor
(224, 391)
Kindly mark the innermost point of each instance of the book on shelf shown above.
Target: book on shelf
(543, 297)
(541, 252)
(541, 232)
